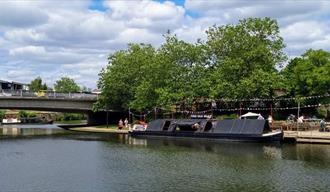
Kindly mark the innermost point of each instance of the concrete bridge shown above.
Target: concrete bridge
(56, 102)
(69, 105)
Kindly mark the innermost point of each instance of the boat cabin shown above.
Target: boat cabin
(228, 126)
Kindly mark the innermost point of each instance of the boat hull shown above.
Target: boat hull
(269, 137)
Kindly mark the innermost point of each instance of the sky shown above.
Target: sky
(57, 38)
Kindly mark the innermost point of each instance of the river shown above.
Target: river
(40, 159)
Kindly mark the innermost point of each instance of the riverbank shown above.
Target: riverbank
(99, 130)
(289, 136)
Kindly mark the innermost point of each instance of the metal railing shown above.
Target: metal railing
(47, 94)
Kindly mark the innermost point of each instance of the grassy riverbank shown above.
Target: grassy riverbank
(99, 129)
(70, 122)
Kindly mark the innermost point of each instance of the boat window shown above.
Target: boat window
(166, 125)
(208, 126)
(185, 128)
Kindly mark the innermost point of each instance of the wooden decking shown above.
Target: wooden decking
(308, 136)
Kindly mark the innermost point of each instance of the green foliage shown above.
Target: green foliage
(228, 116)
(2, 114)
(309, 74)
(36, 85)
(125, 75)
(70, 117)
(27, 114)
(323, 112)
(86, 89)
(244, 58)
(66, 85)
(236, 61)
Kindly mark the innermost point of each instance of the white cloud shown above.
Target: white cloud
(43, 56)
(27, 51)
(304, 35)
(234, 9)
(151, 15)
(306, 30)
(19, 14)
(51, 39)
(24, 36)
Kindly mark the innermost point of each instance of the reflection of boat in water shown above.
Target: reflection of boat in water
(254, 130)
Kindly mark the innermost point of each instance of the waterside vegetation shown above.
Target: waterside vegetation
(235, 61)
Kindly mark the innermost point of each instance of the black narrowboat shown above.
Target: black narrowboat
(253, 130)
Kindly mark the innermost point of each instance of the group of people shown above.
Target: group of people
(122, 124)
(292, 118)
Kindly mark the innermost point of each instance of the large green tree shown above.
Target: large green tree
(37, 85)
(244, 58)
(66, 85)
(236, 61)
(184, 72)
(309, 74)
(121, 79)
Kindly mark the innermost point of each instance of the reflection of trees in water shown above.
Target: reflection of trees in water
(231, 163)
(14, 131)
(312, 153)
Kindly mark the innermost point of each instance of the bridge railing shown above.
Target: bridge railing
(47, 94)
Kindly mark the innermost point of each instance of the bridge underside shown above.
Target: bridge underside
(62, 105)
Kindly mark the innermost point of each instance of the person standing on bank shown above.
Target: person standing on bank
(126, 123)
(322, 125)
(270, 119)
(120, 124)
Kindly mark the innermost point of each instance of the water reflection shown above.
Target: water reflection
(117, 162)
(269, 151)
(312, 153)
(12, 131)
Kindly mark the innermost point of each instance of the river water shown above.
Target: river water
(39, 159)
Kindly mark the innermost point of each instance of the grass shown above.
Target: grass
(70, 122)
(110, 126)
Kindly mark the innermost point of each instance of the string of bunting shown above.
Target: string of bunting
(140, 115)
(253, 109)
(275, 99)
(195, 112)
(247, 108)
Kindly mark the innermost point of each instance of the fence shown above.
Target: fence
(47, 94)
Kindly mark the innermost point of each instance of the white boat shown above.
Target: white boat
(11, 121)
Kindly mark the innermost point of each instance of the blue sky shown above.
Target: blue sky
(73, 38)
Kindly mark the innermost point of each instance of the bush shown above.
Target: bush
(322, 112)
(27, 114)
(2, 114)
(70, 117)
(227, 116)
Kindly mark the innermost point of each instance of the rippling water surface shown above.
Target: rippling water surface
(54, 160)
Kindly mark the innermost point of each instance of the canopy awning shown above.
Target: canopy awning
(250, 114)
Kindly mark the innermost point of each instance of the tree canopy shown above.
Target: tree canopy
(309, 74)
(36, 85)
(236, 61)
(66, 85)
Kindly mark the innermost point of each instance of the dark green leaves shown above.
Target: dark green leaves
(66, 85)
(236, 62)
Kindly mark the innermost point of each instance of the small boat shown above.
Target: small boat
(11, 121)
(254, 130)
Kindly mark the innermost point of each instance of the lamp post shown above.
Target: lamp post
(107, 108)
